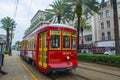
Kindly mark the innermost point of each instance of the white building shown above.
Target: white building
(104, 26)
(88, 34)
(3, 37)
(38, 15)
(118, 7)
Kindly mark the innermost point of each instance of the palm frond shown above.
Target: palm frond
(59, 8)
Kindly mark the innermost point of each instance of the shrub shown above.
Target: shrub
(100, 58)
(6, 52)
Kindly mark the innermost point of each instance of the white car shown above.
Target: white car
(87, 51)
(110, 52)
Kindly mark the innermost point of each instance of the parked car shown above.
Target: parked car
(110, 52)
(86, 51)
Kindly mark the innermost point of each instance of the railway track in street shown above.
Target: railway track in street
(57, 76)
(101, 70)
(67, 76)
(98, 72)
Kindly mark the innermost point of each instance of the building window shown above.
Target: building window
(107, 13)
(102, 25)
(109, 35)
(103, 36)
(101, 15)
(108, 3)
(108, 24)
(88, 38)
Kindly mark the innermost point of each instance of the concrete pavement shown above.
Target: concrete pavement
(14, 69)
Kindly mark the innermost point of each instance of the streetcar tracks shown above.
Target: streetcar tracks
(101, 70)
(66, 75)
(52, 77)
(81, 76)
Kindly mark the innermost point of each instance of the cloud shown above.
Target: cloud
(6, 10)
(24, 14)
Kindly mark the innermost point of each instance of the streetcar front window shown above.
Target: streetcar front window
(66, 41)
(55, 41)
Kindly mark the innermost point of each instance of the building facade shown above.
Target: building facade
(104, 26)
(3, 37)
(88, 34)
(118, 9)
(38, 15)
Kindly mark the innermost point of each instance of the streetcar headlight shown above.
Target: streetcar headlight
(68, 57)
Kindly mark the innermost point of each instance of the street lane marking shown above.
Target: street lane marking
(31, 74)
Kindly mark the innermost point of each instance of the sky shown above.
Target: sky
(26, 9)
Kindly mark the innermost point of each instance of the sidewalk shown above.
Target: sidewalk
(14, 69)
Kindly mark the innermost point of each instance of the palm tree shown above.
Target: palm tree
(116, 28)
(83, 7)
(7, 25)
(60, 12)
(84, 26)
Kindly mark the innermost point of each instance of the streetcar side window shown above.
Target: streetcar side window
(74, 41)
(55, 41)
(66, 41)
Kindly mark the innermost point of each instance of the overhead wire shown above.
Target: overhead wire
(16, 7)
(29, 10)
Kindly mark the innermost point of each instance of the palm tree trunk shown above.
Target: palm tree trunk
(59, 19)
(7, 43)
(78, 30)
(82, 42)
(116, 28)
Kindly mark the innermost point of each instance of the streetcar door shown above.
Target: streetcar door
(42, 50)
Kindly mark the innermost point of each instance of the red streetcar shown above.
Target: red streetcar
(51, 47)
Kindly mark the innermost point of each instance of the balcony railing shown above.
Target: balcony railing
(106, 38)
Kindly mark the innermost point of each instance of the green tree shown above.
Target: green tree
(83, 7)
(116, 26)
(17, 44)
(60, 12)
(84, 26)
(7, 25)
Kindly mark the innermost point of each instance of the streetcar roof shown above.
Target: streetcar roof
(38, 27)
(61, 25)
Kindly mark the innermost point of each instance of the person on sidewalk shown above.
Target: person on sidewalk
(1, 60)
